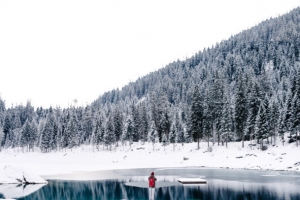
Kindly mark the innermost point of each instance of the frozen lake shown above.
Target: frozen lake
(132, 184)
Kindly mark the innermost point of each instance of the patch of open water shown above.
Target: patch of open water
(221, 184)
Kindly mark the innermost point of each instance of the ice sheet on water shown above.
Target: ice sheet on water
(145, 184)
(135, 172)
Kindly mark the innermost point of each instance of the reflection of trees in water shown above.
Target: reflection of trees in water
(14, 191)
(112, 189)
(93, 190)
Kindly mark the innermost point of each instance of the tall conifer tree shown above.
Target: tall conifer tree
(196, 116)
(240, 108)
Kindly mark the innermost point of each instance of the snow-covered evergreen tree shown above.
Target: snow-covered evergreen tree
(240, 108)
(2, 114)
(164, 141)
(87, 125)
(33, 134)
(129, 130)
(261, 125)
(11, 139)
(253, 102)
(268, 123)
(96, 139)
(15, 119)
(110, 131)
(118, 124)
(281, 128)
(135, 123)
(160, 115)
(6, 129)
(181, 135)
(216, 94)
(102, 133)
(72, 130)
(274, 121)
(207, 123)
(296, 106)
(1, 138)
(54, 136)
(25, 137)
(143, 123)
(153, 134)
(226, 122)
(173, 134)
(289, 117)
(64, 140)
(46, 136)
(196, 115)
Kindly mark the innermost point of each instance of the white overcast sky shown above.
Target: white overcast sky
(55, 51)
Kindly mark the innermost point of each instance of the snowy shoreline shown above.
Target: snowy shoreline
(11, 175)
(84, 159)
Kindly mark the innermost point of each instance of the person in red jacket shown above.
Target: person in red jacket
(151, 180)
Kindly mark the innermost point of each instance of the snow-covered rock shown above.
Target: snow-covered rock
(10, 175)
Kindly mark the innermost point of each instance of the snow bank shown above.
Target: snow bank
(10, 175)
(88, 159)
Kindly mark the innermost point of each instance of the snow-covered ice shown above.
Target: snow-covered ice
(191, 180)
(145, 184)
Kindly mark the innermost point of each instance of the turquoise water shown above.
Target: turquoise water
(222, 184)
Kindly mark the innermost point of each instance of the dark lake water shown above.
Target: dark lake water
(222, 184)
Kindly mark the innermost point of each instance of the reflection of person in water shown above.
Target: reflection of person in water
(151, 180)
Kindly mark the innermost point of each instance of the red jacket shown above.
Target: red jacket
(150, 177)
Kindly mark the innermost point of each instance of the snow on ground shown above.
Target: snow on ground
(14, 182)
(11, 175)
(84, 159)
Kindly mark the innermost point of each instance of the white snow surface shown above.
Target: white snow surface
(191, 180)
(89, 159)
(12, 175)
